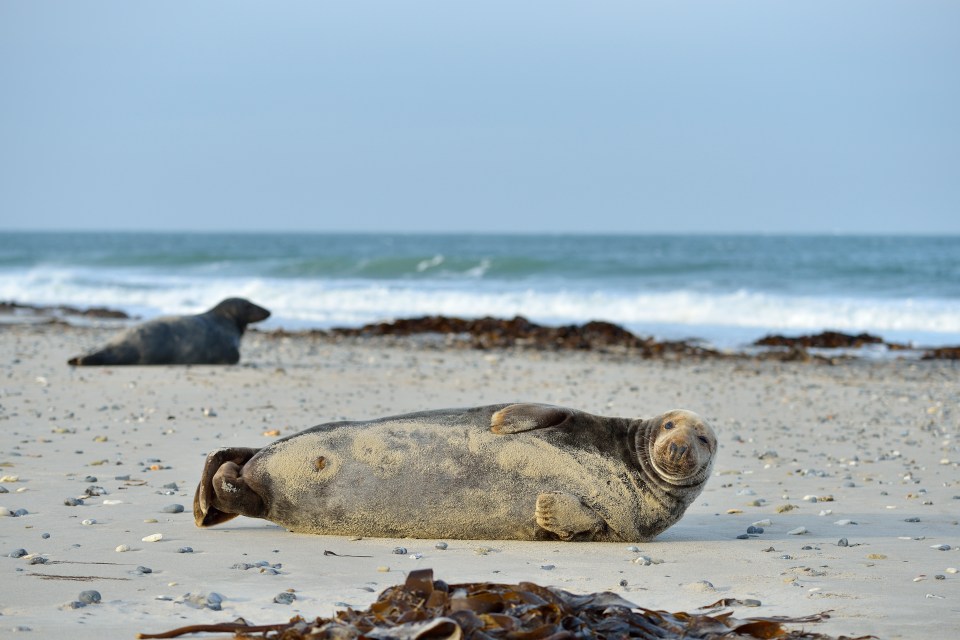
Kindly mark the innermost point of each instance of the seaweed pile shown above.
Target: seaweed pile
(499, 333)
(425, 609)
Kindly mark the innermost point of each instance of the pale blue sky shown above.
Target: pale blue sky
(495, 116)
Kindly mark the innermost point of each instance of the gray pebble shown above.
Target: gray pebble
(941, 547)
(633, 549)
(214, 600)
(750, 602)
(173, 508)
(400, 551)
(743, 536)
(843, 542)
(121, 478)
(73, 502)
(623, 583)
(754, 529)
(90, 597)
(44, 535)
(20, 512)
(94, 491)
(37, 560)
(3, 489)
(440, 545)
(548, 567)
(912, 520)
(185, 550)
(786, 556)
(284, 598)
(90, 479)
(171, 485)
(17, 553)
(939, 576)
(142, 569)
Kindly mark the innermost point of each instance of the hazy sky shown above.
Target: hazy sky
(633, 116)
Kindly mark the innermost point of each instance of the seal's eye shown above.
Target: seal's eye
(704, 439)
(668, 424)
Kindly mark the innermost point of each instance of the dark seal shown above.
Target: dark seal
(519, 472)
(206, 338)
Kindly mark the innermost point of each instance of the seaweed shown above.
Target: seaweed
(428, 609)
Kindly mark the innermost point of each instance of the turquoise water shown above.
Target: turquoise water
(725, 289)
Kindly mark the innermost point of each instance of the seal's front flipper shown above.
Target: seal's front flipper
(566, 516)
(526, 417)
(209, 506)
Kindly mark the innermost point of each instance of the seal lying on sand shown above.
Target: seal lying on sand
(519, 471)
(207, 338)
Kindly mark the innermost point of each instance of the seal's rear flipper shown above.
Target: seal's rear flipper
(528, 416)
(208, 508)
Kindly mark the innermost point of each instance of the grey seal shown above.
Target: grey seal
(514, 472)
(212, 337)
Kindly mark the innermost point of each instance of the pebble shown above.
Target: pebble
(766, 522)
(940, 547)
(284, 598)
(623, 583)
(123, 548)
(185, 550)
(213, 601)
(702, 586)
(89, 597)
(88, 522)
(811, 498)
(743, 536)
(171, 485)
(548, 567)
(44, 535)
(17, 553)
(825, 512)
(440, 545)
(797, 532)
(911, 520)
(142, 569)
(120, 478)
(112, 502)
(383, 569)
(400, 551)
(73, 502)
(754, 529)
(20, 512)
(645, 561)
(5, 513)
(843, 523)
(153, 537)
(4, 489)
(843, 542)
(173, 508)
(951, 570)
(416, 556)
(633, 549)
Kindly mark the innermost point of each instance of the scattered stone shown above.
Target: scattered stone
(173, 508)
(700, 586)
(142, 569)
(623, 583)
(940, 547)
(123, 548)
(45, 535)
(843, 523)
(799, 531)
(88, 522)
(843, 542)
(786, 507)
(20, 512)
(89, 597)
(440, 545)
(548, 567)
(400, 551)
(755, 530)
(185, 550)
(153, 537)
(743, 536)
(17, 553)
(911, 520)
(633, 549)
(73, 502)
(766, 522)
(284, 598)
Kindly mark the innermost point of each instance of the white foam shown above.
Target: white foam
(298, 303)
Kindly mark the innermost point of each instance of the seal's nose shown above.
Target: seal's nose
(677, 452)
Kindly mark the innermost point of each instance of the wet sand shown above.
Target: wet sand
(862, 451)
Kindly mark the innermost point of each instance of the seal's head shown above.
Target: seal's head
(240, 311)
(682, 446)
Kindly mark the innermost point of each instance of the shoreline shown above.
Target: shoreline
(497, 333)
(862, 451)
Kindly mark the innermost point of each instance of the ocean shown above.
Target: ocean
(727, 290)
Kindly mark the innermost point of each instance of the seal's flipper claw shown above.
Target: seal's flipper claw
(208, 509)
(526, 417)
(565, 515)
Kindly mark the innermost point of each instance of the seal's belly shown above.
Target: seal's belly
(401, 478)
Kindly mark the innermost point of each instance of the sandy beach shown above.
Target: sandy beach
(861, 452)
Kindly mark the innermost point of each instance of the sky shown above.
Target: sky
(635, 117)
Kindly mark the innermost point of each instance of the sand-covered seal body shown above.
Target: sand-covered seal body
(212, 337)
(521, 472)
